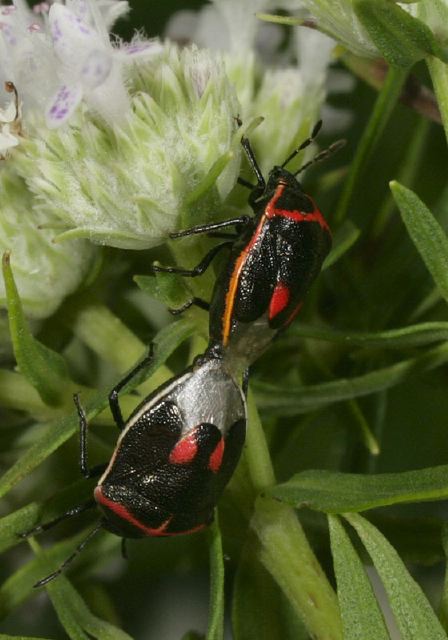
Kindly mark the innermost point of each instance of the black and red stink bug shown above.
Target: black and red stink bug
(173, 459)
(274, 258)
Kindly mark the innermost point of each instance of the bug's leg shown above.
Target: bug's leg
(206, 228)
(113, 395)
(252, 161)
(70, 558)
(83, 455)
(245, 385)
(198, 302)
(74, 511)
(124, 549)
(198, 269)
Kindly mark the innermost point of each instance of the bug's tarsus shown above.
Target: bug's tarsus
(124, 549)
(261, 184)
(199, 269)
(245, 384)
(212, 226)
(113, 395)
(74, 511)
(198, 302)
(71, 557)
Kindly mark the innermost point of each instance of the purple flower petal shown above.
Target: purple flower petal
(63, 105)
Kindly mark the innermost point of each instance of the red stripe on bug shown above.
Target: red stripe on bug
(185, 450)
(295, 215)
(215, 460)
(124, 514)
(279, 300)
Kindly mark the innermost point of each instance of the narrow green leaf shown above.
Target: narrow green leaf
(343, 240)
(19, 586)
(166, 341)
(45, 369)
(335, 492)
(168, 288)
(401, 38)
(426, 233)
(292, 401)
(75, 616)
(14, 523)
(215, 629)
(412, 336)
(443, 612)
(260, 611)
(362, 618)
(413, 613)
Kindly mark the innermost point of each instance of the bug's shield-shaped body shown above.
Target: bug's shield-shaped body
(270, 269)
(175, 455)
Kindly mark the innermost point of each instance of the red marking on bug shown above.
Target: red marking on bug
(123, 513)
(185, 450)
(215, 460)
(279, 300)
(294, 214)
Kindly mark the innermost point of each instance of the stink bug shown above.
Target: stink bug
(274, 258)
(174, 456)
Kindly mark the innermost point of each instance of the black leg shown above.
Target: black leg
(245, 385)
(74, 511)
(71, 557)
(124, 549)
(206, 228)
(200, 268)
(246, 183)
(198, 302)
(113, 395)
(252, 161)
(83, 455)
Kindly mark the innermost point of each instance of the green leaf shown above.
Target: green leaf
(414, 335)
(58, 432)
(361, 616)
(14, 523)
(343, 240)
(168, 288)
(215, 629)
(259, 609)
(291, 401)
(413, 613)
(43, 368)
(401, 38)
(75, 616)
(335, 492)
(426, 233)
(443, 613)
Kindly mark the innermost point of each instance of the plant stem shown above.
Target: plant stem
(285, 551)
(439, 76)
(384, 105)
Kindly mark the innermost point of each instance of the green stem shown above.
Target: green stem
(285, 551)
(384, 106)
(439, 76)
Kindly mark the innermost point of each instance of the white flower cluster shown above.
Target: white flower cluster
(121, 143)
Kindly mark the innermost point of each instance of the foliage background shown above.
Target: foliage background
(381, 284)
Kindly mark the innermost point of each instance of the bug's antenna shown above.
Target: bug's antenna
(71, 557)
(306, 143)
(323, 155)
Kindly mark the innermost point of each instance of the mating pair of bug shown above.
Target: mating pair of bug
(179, 448)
